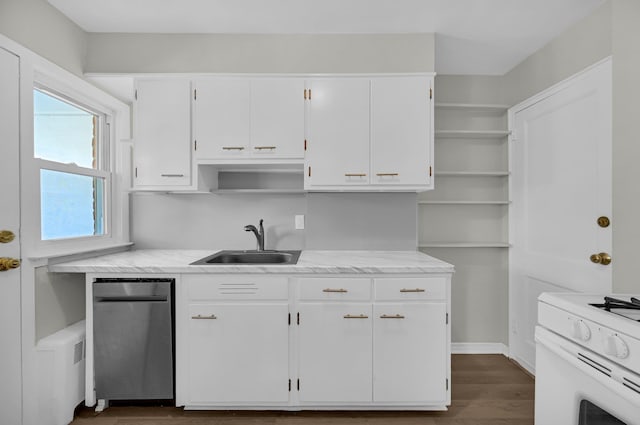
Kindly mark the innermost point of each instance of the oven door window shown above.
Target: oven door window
(590, 414)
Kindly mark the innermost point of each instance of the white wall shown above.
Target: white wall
(42, 28)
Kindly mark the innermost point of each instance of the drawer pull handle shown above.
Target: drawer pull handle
(412, 290)
(355, 175)
(355, 316)
(264, 147)
(233, 148)
(392, 316)
(334, 290)
(172, 175)
(387, 174)
(201, 317)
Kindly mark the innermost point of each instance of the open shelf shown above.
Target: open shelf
(488, 107)
(472, 173)
(463, 245)
(463, 202)
(471, 134)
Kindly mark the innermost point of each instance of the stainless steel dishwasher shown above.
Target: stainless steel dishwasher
(133, 335)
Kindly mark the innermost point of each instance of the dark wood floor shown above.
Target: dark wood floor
(486, 390)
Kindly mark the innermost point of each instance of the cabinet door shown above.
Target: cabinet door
(410, 353)
(221, 118)
(338, 133)
(401, 134)
(277, 118)
(335, 352)
(238, 353)
(162, 133)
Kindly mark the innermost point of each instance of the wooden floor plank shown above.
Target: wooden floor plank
(486, 390)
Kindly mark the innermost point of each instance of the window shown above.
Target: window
(71, 150)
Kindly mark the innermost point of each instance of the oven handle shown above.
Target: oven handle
(569, 351)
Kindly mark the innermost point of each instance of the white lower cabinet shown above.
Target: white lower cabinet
(410, 353)
(317, 342)
(238, 353)
(334, 353)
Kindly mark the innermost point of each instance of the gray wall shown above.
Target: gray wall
(332, 221)
(149, 53)
(626, 145)
(42, 28)
(59, 300)
(580, 46)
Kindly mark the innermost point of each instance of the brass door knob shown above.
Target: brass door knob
(601, 258)
(6, 236)
(8, 264)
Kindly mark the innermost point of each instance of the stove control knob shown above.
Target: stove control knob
(615, 346)
(580, 330)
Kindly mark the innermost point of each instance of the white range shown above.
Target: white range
(588, 359)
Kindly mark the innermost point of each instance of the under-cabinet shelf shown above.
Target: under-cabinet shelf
(486, 107)
(472, 173)
(464, 202)
(464, 245)
(258, 191)
(471, 134)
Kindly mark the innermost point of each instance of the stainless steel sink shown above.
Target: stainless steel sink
(250, 257)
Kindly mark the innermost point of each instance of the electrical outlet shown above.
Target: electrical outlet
(299, 222)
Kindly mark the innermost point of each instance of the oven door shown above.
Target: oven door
(574, 386)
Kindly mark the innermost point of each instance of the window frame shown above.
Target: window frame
(104, 165)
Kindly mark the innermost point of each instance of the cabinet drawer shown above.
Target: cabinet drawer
(418, 288)
(335, 289)
(207, 287)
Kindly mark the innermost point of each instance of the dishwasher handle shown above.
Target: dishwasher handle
(132, 299)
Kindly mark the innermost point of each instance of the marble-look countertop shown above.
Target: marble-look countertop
(310, 262)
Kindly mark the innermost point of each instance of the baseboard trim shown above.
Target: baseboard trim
(479, 348)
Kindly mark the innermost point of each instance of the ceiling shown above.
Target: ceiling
(484, 37)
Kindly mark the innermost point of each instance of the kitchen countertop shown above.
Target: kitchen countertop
(310, 262)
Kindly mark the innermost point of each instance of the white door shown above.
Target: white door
(410, 353)
(334, 354)
(10, 333)
(277, 118)
(561, 185)
(238, 353)
(401, 143)
(338, 133)
(162, 133)
(221, 118)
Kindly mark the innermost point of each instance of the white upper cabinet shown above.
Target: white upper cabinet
(162, 133)
(221, 118)
(338, 132)
(369, 134)
(401, 147)
(242, 118)
(277, 118)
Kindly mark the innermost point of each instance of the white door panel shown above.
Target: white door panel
(10, 333)
(561, 184)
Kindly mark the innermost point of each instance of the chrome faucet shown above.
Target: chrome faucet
(259, 234)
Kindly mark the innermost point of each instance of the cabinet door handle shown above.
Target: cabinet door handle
(334, 290)
(201, 317)
(355, 175)
(387, 174)
(412, 290)
(233, 148)
(355, 316)
(264, 147)
(172, 175)
(392, 316)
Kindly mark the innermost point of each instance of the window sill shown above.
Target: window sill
(77, 253)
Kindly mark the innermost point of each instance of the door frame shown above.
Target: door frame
(511, 114)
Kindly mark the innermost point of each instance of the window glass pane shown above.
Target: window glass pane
(64, 132)
(72, 205)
